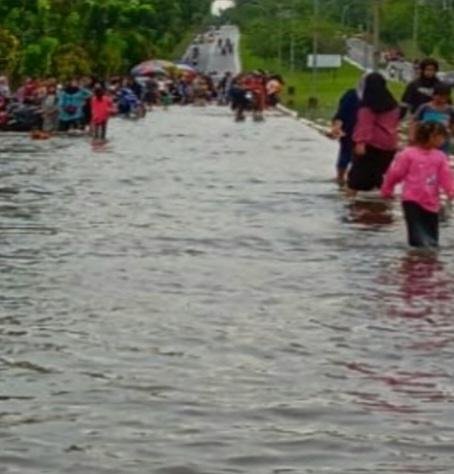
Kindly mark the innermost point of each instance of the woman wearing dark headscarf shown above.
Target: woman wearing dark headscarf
(375, 135)
(421, 90)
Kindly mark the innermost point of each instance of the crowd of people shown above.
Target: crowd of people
(254, 92)
(368, 126)
(45, 107)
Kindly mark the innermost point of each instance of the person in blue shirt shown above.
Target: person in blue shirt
(439, 110)
(71, 101)
(128, 102)
(343, 125)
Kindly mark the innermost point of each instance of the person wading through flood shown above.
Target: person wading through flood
(425, 171)
(421, 90)
(439, 110)
(101, 109)
(375, 135)
(70, 103)
(342, 127)
(50, 110)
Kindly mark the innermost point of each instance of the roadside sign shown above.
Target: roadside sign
(325, 61)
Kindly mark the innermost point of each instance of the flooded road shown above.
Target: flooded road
(198, 298)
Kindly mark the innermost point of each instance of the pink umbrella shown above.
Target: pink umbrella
(148, 68)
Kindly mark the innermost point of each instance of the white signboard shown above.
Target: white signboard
(325, 61)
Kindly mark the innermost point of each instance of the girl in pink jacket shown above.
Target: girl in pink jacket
(424, 171)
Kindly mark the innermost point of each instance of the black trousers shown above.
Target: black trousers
(66, 126)
(422, 225)
(366, 172)
(99, 131)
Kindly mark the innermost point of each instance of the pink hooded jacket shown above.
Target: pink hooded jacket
(424, 174)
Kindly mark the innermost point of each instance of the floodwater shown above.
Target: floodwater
(198, 298)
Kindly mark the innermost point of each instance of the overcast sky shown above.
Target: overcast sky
(219, 5)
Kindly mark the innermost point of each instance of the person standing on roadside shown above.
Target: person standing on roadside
(224, 88)
(375, 135)
(421, 90)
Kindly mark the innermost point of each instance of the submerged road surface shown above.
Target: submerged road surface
(198, 298)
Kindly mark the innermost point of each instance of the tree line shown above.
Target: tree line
(66, 38)
(286, 28)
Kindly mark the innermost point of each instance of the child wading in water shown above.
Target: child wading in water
(101, 109)
(438, 110)
(424, 171)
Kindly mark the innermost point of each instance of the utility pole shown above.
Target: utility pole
(292, 39)
(344, 14)
(315, 48)
(376, 33)
(292, 50)
(418, 4)
(280, 33)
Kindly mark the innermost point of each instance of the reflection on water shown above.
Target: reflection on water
(369, 215)
(425, 287)
(416, 292)
(191, 302)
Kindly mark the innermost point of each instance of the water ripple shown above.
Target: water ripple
(203, 303)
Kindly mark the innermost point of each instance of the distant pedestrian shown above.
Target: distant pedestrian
(425, 172)
(274, 85)
(224, 89)
(50, 110)
(101, 110)
(229, 46)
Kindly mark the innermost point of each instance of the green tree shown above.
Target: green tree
(98, 36)
(9, 51)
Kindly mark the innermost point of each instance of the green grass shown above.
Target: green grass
(327, 89)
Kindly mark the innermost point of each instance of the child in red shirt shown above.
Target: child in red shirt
(101, 110)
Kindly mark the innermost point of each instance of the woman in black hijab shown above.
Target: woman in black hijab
(421, 90)
(375, 135)
(376, 95)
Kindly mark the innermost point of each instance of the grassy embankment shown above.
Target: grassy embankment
(181, 48)
(330, 85)
(411, 52)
